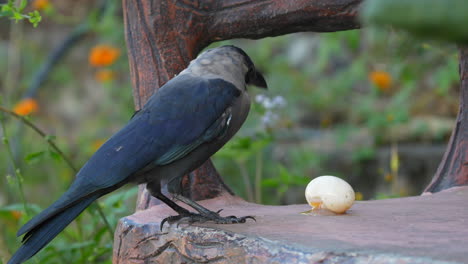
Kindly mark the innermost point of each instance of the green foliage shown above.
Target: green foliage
(284, 181)
(243, 148)
(329, 91)
(16, 12)
(40, 171)
(443, 19)
(329, 99)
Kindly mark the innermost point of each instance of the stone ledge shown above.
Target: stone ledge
(422, 229)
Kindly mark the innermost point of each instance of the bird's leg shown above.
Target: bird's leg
(208, 215)
(182, 212)
(179, 209)
(154, 188)
(203, 215)
(202, 210)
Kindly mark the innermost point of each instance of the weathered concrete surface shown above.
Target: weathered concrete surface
(423, 229)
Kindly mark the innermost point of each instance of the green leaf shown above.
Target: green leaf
(6, 11)
(243, 143)
(272, 182)
(34, 157)
(17, 16)
(23, 4)
(114, 198)
(34, 18)
(284, 174)
(442, 19)
(6, 210)
(299, 180)
(99, 234)
(55, 155)
(72, 246)
(6, 8)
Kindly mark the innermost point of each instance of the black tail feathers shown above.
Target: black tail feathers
(43, 233)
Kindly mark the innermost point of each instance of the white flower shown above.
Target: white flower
(279, 101)
(269, 118)
(269, 103)
(259, 98)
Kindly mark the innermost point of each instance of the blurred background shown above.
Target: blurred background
(373, 106)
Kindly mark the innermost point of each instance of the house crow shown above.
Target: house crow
(185, 122)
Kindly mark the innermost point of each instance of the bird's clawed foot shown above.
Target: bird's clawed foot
(201, 218)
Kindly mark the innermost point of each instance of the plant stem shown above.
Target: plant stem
(16, 170)
(258, 177)
(14, 58)
(394, 165)
(64, 157)
(98, 208)
(42, 134)
(245, 178)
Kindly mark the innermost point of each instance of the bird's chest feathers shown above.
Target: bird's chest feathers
(240, 111)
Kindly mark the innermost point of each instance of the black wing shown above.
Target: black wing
(180, 116)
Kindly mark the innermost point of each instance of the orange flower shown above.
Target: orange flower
(41, 4)
(103, 55)
(26, 106)
(16, 214)
(388, 177)
(97, 144)
(105, 75)
(381, 79)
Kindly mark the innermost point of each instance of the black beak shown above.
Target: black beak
(256, 78)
